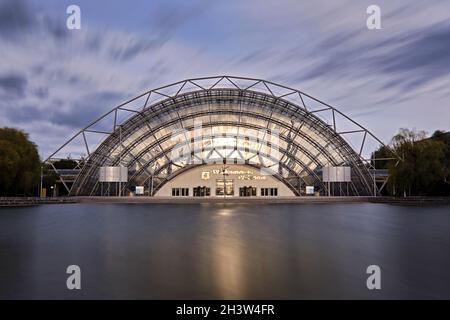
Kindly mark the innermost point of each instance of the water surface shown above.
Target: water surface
(219, 251)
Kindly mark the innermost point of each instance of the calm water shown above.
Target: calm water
(224, 251)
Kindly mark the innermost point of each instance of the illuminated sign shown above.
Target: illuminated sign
(241, 174)
(205, 175)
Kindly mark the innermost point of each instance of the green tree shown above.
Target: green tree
(19, 163)
(422, 166)
(443, 187)
(382, 153)
(65, 164)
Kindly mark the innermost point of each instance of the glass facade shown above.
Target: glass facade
(223, 125)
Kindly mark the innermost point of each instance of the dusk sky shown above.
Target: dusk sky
(54, 81)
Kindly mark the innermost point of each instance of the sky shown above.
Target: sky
(54, 81)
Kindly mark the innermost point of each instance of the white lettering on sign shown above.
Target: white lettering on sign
(250, 177)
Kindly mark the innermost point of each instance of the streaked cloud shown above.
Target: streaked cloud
(12, 86)
(53, 80)
(14, 17)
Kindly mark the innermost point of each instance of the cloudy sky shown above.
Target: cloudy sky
(53, 80)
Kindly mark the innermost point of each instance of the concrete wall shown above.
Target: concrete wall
(240, 174)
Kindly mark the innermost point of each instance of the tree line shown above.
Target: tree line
(20, 165)
(424, 165)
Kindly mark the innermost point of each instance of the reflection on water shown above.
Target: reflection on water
(224, 251)
(227, 254)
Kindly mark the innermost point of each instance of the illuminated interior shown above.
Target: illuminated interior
(229, 126)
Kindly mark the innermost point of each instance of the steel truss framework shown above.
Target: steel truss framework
(166, 131)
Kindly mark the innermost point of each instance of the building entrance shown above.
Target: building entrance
(224, 187)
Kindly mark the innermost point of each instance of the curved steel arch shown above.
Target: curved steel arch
(228, 107)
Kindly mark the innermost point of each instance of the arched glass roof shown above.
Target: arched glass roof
(229, 120)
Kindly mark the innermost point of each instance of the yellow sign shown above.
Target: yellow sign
(205, 175)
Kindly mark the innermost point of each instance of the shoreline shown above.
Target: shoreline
(409, 201)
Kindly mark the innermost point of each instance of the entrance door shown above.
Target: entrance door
(224, 187)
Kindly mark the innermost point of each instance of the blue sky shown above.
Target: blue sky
(53, 80)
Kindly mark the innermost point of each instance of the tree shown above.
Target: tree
(407, 136)
(422, 165)
(382, 153)
(443, 187)
(19, 163)
(444, 137)
(65, 164)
